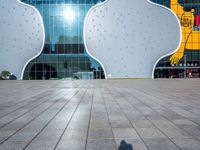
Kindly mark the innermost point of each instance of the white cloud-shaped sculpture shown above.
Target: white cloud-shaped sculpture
(21, 36)
(128, 37)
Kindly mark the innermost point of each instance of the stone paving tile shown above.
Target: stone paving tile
(101, 145)
(71, 144)
(44, 145)
(160, 144)
(100, 114)
(99, 123)
(74, 134)
(103, 133)
(142, 123)
(125, 133)
(48, 134)
(187, 144)
(13, 145)
(151, 133)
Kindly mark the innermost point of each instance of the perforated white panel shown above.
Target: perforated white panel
(21, 35)
(128, 37)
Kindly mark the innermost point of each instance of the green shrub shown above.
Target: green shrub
(6, 75)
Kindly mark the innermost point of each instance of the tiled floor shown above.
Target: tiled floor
(100, 115)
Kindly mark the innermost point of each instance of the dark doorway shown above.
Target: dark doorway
(42, 71)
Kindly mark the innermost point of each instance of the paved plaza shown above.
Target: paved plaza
(100, 115)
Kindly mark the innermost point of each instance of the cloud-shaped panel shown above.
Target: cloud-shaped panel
(129, 36)
(21, 35)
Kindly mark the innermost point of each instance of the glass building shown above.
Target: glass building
(189, 64)
(64, 54)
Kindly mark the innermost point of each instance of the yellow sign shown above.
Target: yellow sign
(190, 39)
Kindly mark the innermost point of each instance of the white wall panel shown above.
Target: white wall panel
(21, 35)
(128, 37)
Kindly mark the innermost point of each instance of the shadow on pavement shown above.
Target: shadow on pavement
(125, 146)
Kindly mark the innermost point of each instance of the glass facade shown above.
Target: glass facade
(186, 62)
(64, 55)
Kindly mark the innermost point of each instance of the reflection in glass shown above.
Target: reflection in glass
(189, 64)
(64, 54)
